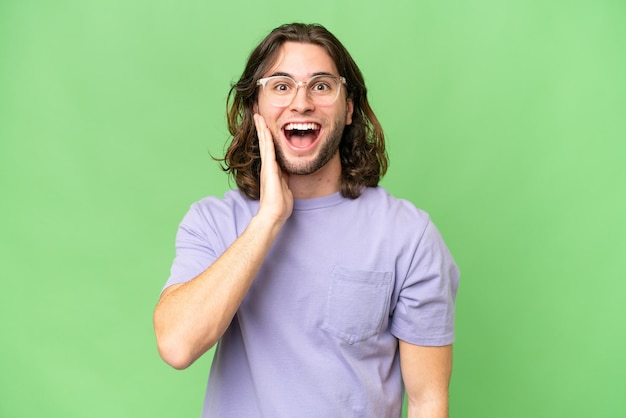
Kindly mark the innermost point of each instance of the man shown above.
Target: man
(326, 296)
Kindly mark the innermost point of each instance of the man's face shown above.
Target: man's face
(318, 129)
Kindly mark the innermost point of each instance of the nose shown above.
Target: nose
(302, 101)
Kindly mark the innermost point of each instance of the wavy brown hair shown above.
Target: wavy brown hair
(362, 148)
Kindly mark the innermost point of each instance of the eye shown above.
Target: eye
(281, 87)
(321, 87)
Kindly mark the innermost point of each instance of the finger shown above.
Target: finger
(259, 132)
(266, 144)
(260, 125)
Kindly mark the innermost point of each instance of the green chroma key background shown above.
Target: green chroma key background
(506, 121)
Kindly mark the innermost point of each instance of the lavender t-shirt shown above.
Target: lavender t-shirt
(317, 334)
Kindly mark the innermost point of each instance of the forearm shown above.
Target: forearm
(190, 319)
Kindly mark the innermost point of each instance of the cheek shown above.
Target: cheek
(267, 111)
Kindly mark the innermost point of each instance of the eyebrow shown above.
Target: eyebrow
(283, 74)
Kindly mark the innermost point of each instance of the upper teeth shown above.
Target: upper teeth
(301, 126)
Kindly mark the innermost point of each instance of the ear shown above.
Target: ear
(349, 110)
(255, 108)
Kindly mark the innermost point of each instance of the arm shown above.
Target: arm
(191, 317)
(426, 374)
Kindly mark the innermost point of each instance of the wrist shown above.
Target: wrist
(266, 222)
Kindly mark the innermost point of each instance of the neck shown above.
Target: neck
(324, 182)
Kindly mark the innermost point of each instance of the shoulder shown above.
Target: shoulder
(214, 212)
(232, 202)
(379, 202)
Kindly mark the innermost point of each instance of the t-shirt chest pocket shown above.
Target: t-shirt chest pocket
(357, 304)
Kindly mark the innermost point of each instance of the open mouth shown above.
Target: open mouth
(301, 135)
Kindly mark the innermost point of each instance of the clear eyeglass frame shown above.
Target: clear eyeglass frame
(282, 98)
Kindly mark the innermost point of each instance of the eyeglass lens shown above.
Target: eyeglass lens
(321, 89)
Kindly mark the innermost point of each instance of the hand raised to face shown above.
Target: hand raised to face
(276, 199)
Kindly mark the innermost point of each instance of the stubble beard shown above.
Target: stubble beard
(325, 154)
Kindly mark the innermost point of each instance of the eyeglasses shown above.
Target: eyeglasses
(321, 89)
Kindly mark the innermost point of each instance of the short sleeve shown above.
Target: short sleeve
(194, 250)
(424, 312)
